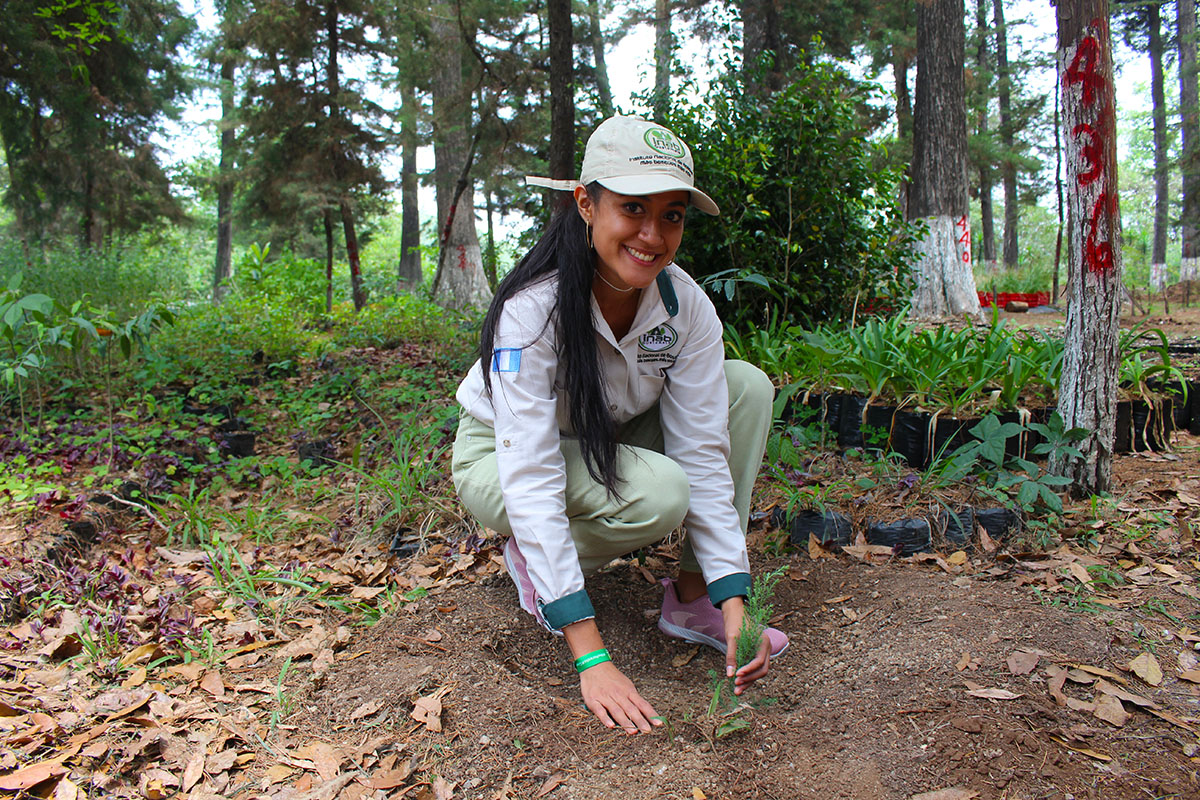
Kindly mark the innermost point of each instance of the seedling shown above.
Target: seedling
(758, 610)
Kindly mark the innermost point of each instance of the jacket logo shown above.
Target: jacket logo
(661, 338)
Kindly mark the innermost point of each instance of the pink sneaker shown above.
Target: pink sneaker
(701, 622)
(514, 562)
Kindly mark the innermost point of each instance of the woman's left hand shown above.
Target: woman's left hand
(733, 611)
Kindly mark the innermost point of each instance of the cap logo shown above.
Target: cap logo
(663, 141)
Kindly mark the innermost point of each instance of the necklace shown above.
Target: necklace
(614, 288)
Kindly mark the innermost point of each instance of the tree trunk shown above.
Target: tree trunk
(327, 218)
(1008, 167)
(904, 119)
(938, 197)
(489, 263)
(409, 272)
(760, 34)
(1087, 394)
(986, 213)
(662, 60)
(597, 37)
(352, 256)
(332, 78)
(1158, 256)
(1058, 189)
(223, 266)
(460, 282)
(1189, 165)
(562, 91)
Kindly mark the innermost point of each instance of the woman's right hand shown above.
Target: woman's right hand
(613, 699)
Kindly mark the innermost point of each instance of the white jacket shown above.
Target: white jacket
(675, 360)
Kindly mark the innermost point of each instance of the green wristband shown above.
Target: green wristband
(592, 659)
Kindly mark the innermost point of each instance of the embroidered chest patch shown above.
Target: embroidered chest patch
(653, 344)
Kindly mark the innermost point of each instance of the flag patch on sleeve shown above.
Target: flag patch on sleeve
(506, 359)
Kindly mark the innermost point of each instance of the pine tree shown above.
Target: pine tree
(1087, 393)
(938, 196)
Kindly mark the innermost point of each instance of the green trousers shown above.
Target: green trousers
(654, 489)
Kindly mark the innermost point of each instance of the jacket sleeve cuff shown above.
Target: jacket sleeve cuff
(565, 610)
(735, 585)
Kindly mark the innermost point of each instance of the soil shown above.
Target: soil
(870, 701)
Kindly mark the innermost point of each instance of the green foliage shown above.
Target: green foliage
(809, 225)
(1012, 477)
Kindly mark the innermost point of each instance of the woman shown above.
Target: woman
(608, 416)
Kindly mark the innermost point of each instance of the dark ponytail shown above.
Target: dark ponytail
(563, 251)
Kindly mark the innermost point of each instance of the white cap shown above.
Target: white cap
(633, 156)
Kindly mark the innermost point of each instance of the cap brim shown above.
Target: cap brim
(637, 185)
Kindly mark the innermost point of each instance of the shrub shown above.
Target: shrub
(809, 223)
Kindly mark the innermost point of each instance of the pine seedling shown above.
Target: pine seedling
(754, 623)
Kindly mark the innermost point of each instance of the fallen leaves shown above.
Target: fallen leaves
(1146, 667)
(428, 710)
(1022, 662)
(952, 793)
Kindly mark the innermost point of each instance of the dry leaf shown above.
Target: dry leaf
(1022, 662)
(278, 773)
(957, 558)
(1146, 667)
(32, 775)
(213, 683)
(428, 711)
(65, 790)
(193, 772)
(1130, 697)
(1103, 673)
(850, 613)
(136, 679)
(1192, 675)
(221, 762)
(986, 542)
(1058, 678)
(366, 709)
(1080, 573)
(994, 694)
(953, 793)
(326, 759)
(138, 653)
(431, 635)
(683, 659)
(1109, 709)
(552, 783)
(1090, 753)
(442, 790)
(697, 794)
(815, 550)
(391, 778)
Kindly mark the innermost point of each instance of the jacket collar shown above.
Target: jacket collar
(658, 304)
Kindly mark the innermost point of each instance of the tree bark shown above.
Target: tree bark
(986, 212)
(662, 60)
(1087, 394)
(904, 120)
(409, 270)
(938, 196)
(760, 34)
(1158, 255)
(327, 219)
(1189, 166)
(1008, 167)
(460, 282)
(332, 77)
(597, 37)
(489, 263)
(223, 266)
(562, 90)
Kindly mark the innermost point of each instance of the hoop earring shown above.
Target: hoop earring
(587, 236)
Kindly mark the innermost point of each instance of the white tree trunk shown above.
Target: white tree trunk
(1158, 276)
(945, 283)
(1189, 269)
